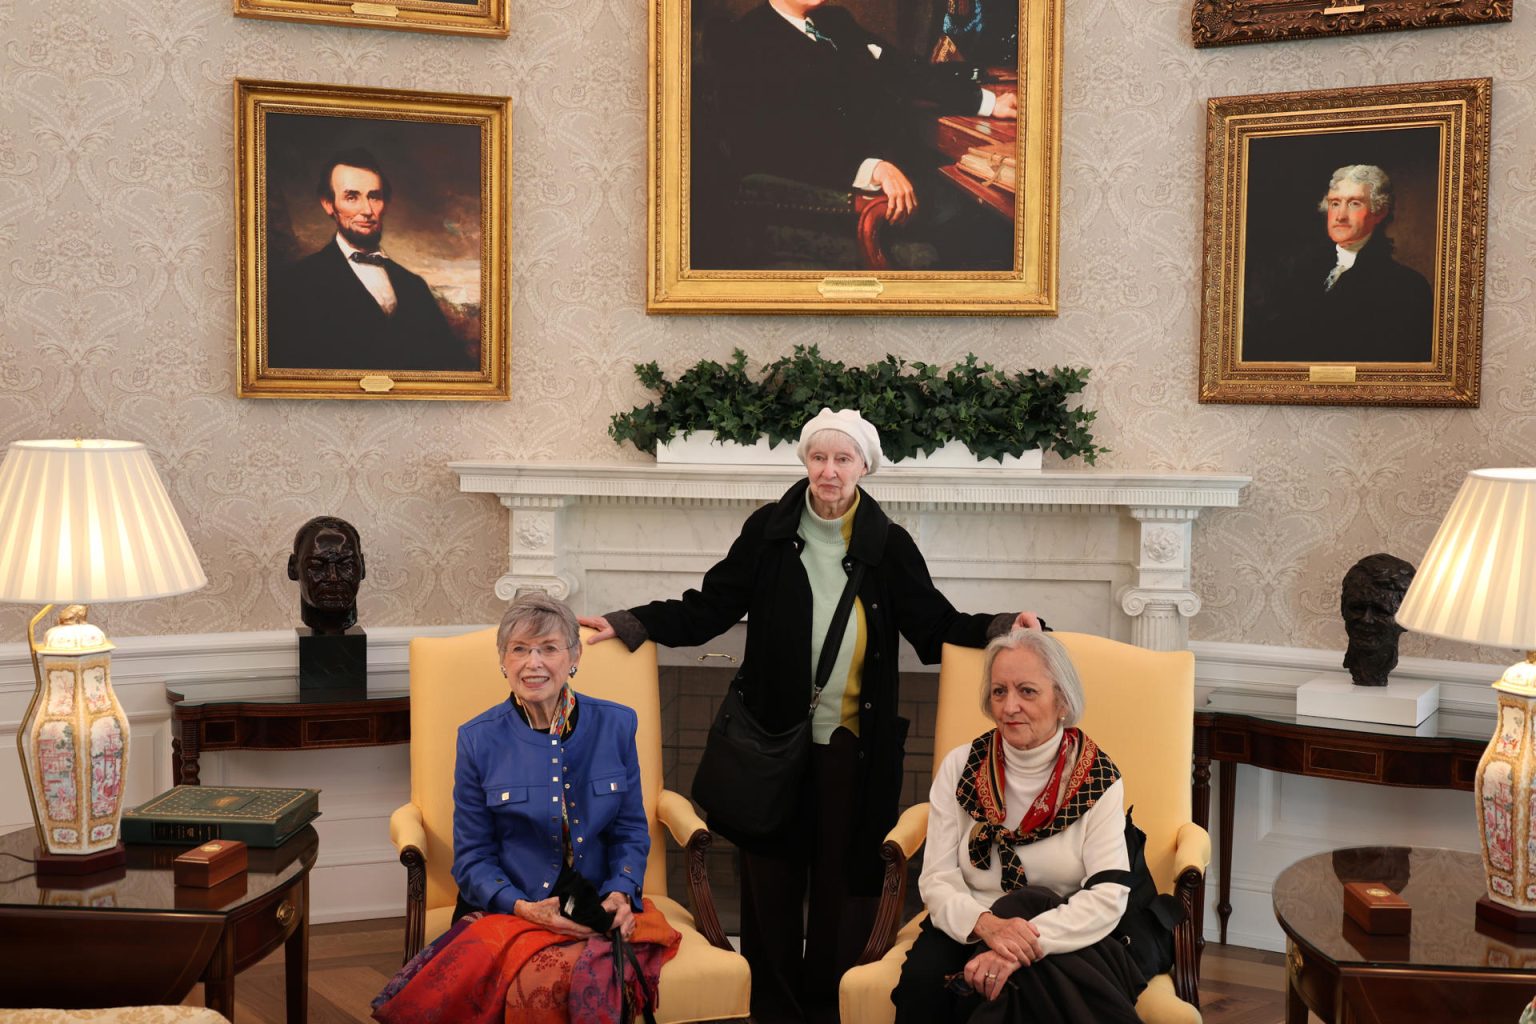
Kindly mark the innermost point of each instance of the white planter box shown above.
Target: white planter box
(701, 448)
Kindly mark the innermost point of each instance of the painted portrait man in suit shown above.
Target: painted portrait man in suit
(1348, 300)
(349, 306)
(809, 95)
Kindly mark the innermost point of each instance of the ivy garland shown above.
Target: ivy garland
(915, 407)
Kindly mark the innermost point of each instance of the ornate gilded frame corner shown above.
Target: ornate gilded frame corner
(1226, 22)
(467, 18)
(490, 119)
(675, 285)
(1456, 117)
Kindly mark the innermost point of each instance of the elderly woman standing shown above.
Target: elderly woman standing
(786, 572)
(550, 843)
(1026, 831)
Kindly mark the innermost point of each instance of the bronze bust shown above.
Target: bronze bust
(327, 561)
(1373, 591)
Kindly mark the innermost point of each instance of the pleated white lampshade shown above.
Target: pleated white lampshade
(87, 522)
(1478, 579)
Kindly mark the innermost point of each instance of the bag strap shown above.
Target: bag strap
(830, 649)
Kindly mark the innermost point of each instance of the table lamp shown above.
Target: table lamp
(1478, 583)
(82, 521)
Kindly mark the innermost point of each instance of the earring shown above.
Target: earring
(503, 672)
(573, 671)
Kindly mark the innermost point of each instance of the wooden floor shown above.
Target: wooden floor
(349, 963)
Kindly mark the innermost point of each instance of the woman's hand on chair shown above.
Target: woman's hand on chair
(597, 622)
(623, 913)
(987, 972)
(546, 914)
(1027, 620)
(1011, 937)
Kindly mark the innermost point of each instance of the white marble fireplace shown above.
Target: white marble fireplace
(1102, 552)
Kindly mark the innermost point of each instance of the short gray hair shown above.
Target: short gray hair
(1058, 665)
(536, 613)
(1369, 175)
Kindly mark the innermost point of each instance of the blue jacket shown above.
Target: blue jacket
(506, 805)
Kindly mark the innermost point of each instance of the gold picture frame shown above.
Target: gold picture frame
(372, 242)
(1314, 290)
(458, 17)
(1226, 22)
(727, 237)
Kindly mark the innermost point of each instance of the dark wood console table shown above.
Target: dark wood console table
(290, 720)
(1243, 727)
(133, 937)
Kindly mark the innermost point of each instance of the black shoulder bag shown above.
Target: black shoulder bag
(1150, 917)
(748, 780)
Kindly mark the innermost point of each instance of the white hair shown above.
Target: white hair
(1370, 176)
(1058, 665)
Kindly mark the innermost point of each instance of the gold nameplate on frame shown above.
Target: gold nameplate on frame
(850, 287)
(1329, 12)
(377, 10)
(376, 383)
(1332, 375)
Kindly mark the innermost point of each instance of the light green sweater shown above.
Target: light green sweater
(826, 544)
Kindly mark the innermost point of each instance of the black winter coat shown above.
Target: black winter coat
(762, 577)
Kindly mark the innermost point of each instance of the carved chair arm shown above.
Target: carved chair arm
(901, 843)
(409, 834)
(688, 830)
(1191, 856)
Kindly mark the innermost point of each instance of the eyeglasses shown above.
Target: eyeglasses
(547, 652)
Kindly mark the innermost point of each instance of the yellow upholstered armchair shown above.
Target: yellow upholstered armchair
(1140, 710)
(455, 678)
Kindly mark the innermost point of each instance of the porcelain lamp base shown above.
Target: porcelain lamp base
(1503, 792)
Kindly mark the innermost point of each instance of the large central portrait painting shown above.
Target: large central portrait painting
(858, 156)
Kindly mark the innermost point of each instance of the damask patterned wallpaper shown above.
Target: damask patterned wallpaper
(117, 318)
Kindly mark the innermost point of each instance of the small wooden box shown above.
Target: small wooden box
(209, 864)
(1377, 909)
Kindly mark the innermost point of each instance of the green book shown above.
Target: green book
(256, 816)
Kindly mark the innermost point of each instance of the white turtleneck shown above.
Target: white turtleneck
(957, 893)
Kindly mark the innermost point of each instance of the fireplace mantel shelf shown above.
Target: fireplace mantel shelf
(950, 488)
(616, 533)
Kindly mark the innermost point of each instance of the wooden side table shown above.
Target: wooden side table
(1240, 727)
(284, 721)
(131, 936)
(1451, 968)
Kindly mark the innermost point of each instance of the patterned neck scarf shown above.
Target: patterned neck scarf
(1081, 774)
(560, 724)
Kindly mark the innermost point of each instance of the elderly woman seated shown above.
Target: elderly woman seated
(550, 843)
(1023, 822)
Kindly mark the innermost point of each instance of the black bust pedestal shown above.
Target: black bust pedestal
(333, 665)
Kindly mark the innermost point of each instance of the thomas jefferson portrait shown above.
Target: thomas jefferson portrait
(1340, 248)
(805, 112)
(373, 245)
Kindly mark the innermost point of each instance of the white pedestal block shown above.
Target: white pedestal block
(1398, 703)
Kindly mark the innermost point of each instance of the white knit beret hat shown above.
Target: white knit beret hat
(848, 421)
